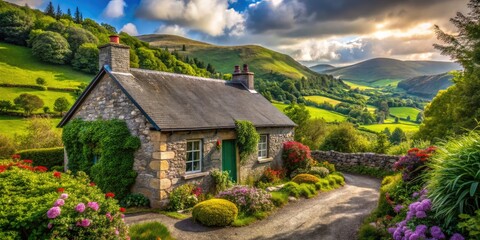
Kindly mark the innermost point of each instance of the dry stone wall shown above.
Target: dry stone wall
(346, 160)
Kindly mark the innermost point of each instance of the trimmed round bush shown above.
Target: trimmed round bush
(319, 171)
(215, 212)
(305, 178)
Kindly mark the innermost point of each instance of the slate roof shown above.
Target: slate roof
(175, 102)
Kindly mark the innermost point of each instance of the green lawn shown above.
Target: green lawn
(317, 113)
(17, 65)
(322, 99)
(406, 127)
(404, 112)
(385, 83)
(10, 126)
(359, 85)
(48, 97)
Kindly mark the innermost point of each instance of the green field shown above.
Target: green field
(322, 99)
(359, 85)
(406, 127)
(17, 65)
(404, 112)
(10, 126)
(317, 113)
(371, 85)
(48, 97)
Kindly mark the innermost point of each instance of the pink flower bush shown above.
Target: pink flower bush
(248, 199)
(53, 212)
(93, 205)
(64, 196)
(109, 216)
(80, 207)
(59, 202)
(84, 223)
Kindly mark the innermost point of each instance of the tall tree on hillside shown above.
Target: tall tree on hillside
(50, 10)
(77, 18)
(59, 12)
(69, 12)
(28, 102)
(457, 109)
(15, 26)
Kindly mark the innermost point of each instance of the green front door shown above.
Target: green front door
(229, 158)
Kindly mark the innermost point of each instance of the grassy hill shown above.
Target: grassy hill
(317, 113)
(385, 68)
(404, 112)
(322, 99)
(321, 67)
(426, 86)
(260, 60)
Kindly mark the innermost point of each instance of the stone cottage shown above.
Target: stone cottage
(186, 124)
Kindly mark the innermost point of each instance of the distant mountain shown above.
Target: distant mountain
(321, 67)
(386, 68)
(426, 86)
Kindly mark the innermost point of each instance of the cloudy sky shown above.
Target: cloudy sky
(312, 31)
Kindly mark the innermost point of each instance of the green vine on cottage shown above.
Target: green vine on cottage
(247, 138)
(105, 150)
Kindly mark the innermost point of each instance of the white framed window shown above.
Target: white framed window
(194, 156)
(263, 146)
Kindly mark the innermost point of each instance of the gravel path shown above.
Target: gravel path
(335, 215)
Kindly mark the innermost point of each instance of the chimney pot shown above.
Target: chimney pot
(114, 39)
(245, 68)
(237, 69)
(244, 77)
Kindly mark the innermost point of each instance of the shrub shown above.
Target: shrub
(454, 178)
(369, 232)
(221, 179)
(470, 224)
(86, 58)
(295, 155)
(337, 179)
(247, 138)
(413, 164)
(215, 212)
(29, 206)
(305, 178)
(345, 138)
(271, 176)
(148, 231)
(327, 165)
(323, 184)
(369, 171)
(135, 200)
(279, 198)
(182, 197)
(319, 171)
(51, 47)
(7, 147)
(48, 157)
(248, 199)
(41, 81)
(296, 190)
(61, 105)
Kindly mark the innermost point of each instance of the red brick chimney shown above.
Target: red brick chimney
(245, 77)
(115, 55)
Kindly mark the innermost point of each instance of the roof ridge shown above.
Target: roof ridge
(179, 75)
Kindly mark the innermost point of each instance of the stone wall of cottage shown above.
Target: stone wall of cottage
(346, 160)
(107, 101)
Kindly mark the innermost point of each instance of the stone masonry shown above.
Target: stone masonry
(345, 160)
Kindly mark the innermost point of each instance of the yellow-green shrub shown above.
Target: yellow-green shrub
(338, 180)
(296, 190)
(305, 178)
(215, 212)
(323, 184)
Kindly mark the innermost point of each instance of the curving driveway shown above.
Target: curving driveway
(335, 215)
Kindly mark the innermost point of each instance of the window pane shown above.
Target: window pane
(196, 166)
(189, 156)
(196, 155)
(189, 146)
(189, 166)
(196, 145)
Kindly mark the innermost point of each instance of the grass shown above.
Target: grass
(17, 65)
(406, 127)
(359, 85)
(317, 113)
(10, 126)
(322, 99)
(404, 112)
(149, 231)
(175, 215)
(385, 83)
(245, 220)
(48, 97)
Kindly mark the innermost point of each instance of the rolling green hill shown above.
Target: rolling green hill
(321, 67)
(328, 116)
(404, 112)
(322, 99)
(426, 86)
(385, 68)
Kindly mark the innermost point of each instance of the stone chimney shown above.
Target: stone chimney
(244, 77)
(115, 55)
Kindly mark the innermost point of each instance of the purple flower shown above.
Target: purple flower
(50, 225)
(457, 236)
(80, 207)
(392, 230)
(53, 212)
(437, 233)
(414, 236)
(415, 194)
(93, 205)
(64, 196)
(420, 214)
(84, 223)
(421, 229)
(59, 202)
(398, 208)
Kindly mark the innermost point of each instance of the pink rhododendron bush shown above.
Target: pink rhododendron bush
(37, 204)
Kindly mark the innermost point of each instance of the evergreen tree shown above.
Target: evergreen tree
(210, 68)
(77, 18)
(69, 13)
(50, 10)
(398, 136)
(59, 12)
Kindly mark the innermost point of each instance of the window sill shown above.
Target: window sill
(265, 160)
(195, 175)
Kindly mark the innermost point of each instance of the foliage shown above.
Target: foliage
(86, 58)
(414, 163)
(369, 232)
(7, 147)
(148, 231)
(295, 155)
(39, 134)
(403, 147)
(28, 102)
(345, 138)
(248, 200)
(271, 175)
(111, 144)
(381, 146)
(327, 165)
(135, 200)
(279, 198)
(470, 224)
(61, 105)
(79, 36)
(51, 47)
(296, 190)
(221, 179)
(247, 138)
(398, 136)
(15, 26)
(48, 157)
(337, 178)
(41, 81)
(455, 177)
(305, 178)
(183, 197)
(299, 115)
(319, 171)
(29, 206)
(215, 212)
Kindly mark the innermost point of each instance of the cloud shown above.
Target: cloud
(31, 3)
(130, 28)
(115, 9)
(173, 29)
(212, 17)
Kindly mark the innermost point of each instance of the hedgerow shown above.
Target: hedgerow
(48, 157)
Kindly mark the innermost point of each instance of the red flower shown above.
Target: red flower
(57, 174)
(388, 217)
(413, 150)
(40, 169)
(15, 156)
(28, 161)
(122, 209)
(109, 195)
(92, 184)
(197, 191)
(60, 190)
(389, 200)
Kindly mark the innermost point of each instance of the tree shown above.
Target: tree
(345, 138)
(78, 16)
(61, 105)
(419, 117)
(398, 136)
(299, 114)
(46, 109)
(50, 10)
(397, 119)
(15, 25)
(7, 147)
(59, 13)
(5, 105)
(51, 47)
(109, 28)
(387, 132)
(86, 58)
(41, 81)
(79, 36)
(40, 134)
(210, 68)
(381, 145)
(28, 103)
(408, 118)
(69, 13)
